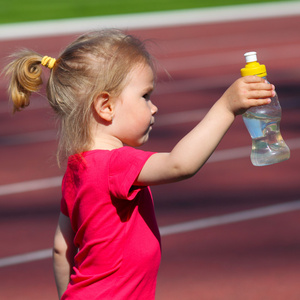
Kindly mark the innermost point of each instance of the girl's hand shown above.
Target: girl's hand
(247, 92)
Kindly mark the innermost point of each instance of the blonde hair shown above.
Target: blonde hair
(95, 62)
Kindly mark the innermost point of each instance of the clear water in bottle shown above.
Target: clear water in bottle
(268, 146)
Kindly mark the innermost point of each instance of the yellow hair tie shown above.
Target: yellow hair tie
(48, 61)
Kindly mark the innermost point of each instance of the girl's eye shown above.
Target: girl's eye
(146, 96)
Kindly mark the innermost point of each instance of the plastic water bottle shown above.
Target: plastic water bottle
(262, 122)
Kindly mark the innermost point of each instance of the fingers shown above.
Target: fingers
(259, 88)
(261, 93)
(247, 92)
(258, 102)
(262, 87)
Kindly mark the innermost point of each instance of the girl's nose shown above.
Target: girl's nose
(154, 108)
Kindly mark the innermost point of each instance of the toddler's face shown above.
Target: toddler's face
(134, 111)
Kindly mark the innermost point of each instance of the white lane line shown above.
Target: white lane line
(28, 186)
(217, 156)
(150, 20)
(231, 218)
(24, 258)
(199, 224)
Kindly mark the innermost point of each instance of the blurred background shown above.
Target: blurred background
(37, 10)
(232, 231)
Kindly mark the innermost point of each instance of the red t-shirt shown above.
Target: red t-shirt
(114, 224)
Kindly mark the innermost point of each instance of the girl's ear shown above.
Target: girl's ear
(104, 107)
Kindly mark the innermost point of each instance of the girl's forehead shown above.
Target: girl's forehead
(141, 71)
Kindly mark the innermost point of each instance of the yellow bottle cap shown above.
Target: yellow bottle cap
(252, 66)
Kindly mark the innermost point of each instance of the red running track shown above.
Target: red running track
(257, 258)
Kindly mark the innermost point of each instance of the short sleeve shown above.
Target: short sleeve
(125, 165)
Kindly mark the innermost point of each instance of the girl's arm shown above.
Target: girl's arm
(63, 253)
(191, 153)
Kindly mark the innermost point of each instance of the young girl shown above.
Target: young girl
(107, 243)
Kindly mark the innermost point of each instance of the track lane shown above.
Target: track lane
(237, 260)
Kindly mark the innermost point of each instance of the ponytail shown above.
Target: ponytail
(25, 77)
(95, 62)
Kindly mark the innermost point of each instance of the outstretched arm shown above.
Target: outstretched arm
(191, 152)
(63, 253)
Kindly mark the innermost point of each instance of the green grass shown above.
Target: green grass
(34, 10)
